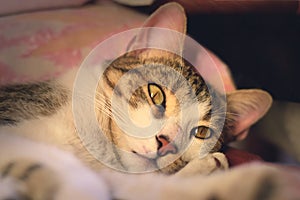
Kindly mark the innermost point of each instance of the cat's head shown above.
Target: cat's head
(157, 109)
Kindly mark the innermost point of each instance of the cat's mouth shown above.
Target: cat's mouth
(152, 158)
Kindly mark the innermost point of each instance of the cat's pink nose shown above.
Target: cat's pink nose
(165, 146)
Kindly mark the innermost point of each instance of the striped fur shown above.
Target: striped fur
(30, 101)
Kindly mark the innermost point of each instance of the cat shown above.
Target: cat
(39, 138)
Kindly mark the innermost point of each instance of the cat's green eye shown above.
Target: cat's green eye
(201, 132)
(156, 94)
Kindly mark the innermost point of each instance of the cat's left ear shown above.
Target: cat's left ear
(169, 16)
(244, 108)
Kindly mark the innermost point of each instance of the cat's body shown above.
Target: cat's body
(38, 130)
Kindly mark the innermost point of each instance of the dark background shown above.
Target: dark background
(262, 51)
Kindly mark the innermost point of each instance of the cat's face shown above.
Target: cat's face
(161, 109)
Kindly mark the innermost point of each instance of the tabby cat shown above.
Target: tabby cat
(38, 135)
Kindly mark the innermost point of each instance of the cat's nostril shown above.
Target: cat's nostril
(165, 146)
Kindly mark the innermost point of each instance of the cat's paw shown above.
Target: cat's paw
(31, 170)
(210, 163)
(24, 179)
(28, 179)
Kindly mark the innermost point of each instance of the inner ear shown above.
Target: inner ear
(244, 108)
(170, 16)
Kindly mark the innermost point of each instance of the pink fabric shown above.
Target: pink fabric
(17, 6)
(237, 157)
(40, 45)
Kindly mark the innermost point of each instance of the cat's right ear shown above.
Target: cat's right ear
(244, 108)
(169, 16)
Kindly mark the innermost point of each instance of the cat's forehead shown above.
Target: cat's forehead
(168, 70)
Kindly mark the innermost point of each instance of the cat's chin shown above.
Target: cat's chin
(138, 163)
